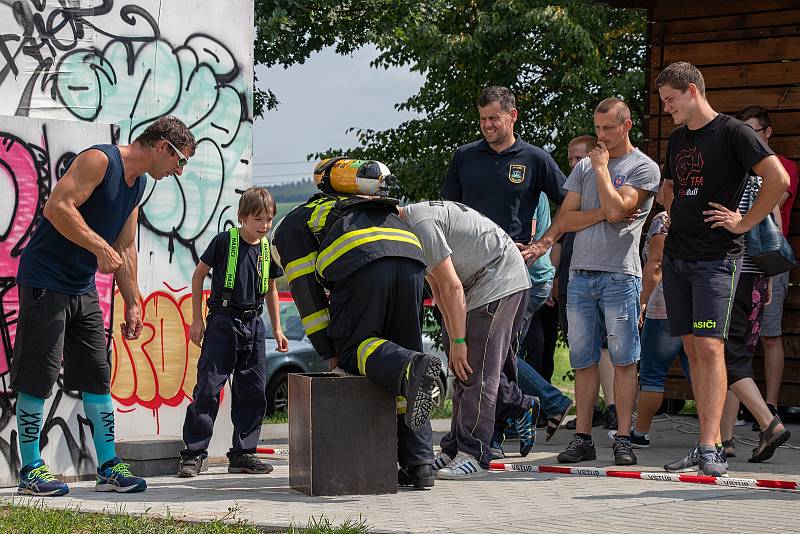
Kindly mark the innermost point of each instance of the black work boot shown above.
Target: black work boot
(247, 463)
(191, 466)
(578, 450)
(420, 375)
(416, 476)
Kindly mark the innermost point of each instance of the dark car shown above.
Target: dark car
(302, 358)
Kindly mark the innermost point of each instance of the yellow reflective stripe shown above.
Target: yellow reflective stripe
(320, 214)
(350, 240)
(401, 405)
(365, 348)
(301, 266)
(316, 321)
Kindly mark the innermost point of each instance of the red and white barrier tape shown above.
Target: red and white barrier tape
(641, 475)
(267, 450)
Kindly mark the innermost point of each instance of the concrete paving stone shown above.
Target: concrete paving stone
(501, 502)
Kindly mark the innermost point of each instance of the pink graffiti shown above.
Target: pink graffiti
(25, 170)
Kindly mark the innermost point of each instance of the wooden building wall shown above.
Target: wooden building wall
(749, 53)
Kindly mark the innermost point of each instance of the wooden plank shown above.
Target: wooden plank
(750, 75)
(679, 388)
(783, 123)
(689, 9)
(791, 371)
(734, 52)
(728, 22)
(794, 225)
(791, 321)
(730, 35)
(792, 301)
(791, 346)
(731, 100)
(794, 276)
(787, 145)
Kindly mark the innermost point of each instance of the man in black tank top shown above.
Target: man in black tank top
(89, 224)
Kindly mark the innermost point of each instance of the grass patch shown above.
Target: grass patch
(563, 375)
(443, 412)
(276, 417)
(16, 519)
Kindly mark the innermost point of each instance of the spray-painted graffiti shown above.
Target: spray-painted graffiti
(126, 63)
(78, 60)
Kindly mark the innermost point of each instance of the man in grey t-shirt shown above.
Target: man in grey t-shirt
(480, 284)
(609, 195)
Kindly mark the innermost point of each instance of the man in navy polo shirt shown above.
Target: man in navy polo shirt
(502, 176)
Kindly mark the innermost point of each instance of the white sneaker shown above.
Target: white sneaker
(462, 467)
(440, 461)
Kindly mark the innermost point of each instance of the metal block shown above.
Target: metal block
(342, 435)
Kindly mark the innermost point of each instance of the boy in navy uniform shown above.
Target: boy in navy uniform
(242, 276)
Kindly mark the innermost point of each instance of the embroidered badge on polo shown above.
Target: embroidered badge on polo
(516, 173)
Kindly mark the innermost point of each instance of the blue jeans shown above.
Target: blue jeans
(538, 296)
(554, 403)
(592, 296)
(659, 350)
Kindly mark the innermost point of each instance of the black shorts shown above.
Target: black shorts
(53, 324)
(699, 295)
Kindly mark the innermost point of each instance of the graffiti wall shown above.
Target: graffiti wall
(91, 64)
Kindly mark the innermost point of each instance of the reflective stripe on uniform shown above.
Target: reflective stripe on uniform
(350, 240)
(320, 214)
(365, 348)
(301, 266)
(316, 321)
(233, 258)
(401, 405)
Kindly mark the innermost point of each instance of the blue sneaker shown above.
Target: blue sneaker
(114, 475)
(496, 449)
(36, 479)
(526, 427)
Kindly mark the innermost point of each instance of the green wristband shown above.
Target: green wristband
(459, 340)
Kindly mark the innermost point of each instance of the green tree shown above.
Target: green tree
(559, 58)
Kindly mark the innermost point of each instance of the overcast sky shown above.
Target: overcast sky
(319, 101)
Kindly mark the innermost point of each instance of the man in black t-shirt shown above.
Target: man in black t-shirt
(709, 157)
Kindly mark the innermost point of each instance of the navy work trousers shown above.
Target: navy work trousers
(383, 300)
(230, 347)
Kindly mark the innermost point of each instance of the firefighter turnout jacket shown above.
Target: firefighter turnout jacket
(328, 238)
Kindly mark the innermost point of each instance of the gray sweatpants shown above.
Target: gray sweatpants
(491, 347)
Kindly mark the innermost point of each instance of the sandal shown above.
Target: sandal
(729, 448)
(553, 423)
(768, 442)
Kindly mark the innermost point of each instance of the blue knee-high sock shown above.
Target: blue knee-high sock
(100, 411)
(30, 412)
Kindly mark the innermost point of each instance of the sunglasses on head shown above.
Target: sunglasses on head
(182, 160)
